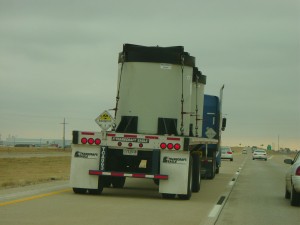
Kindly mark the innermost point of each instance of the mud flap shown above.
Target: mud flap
(84, 159)
(176, 166)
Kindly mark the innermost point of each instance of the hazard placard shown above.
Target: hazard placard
(105, 120)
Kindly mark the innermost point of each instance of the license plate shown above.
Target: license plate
(130, 152)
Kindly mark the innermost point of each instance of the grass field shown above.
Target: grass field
(16, 172)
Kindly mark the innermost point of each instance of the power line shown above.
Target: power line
(64, 132)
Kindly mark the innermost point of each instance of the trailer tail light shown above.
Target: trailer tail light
(130, 144)
(177, 146)
(91, 141)
(229, 153)
(97, 141)
(298, 171)
(170, 146)
(141, 145)
(84, 141)
(163, 145)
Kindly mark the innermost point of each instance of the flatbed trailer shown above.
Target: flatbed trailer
(156, 130)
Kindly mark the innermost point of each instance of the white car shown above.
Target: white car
(292, 180)
(226, 153)
(260, 154)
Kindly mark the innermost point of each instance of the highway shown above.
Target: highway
(245, 192)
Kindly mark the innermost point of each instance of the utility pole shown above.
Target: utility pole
(278, 143)
(64, 132)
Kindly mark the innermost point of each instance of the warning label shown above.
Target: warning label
(105, 120)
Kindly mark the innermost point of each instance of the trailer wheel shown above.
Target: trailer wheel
(212, 171)
(168, 196)
(95, 191)
(189, 184)
(118, 182)
(196, 181)
(79, 190)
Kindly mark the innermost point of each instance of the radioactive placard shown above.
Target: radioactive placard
(105, 120)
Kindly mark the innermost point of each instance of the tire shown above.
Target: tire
(118, 182)
(212, 173)
(231, 159)
(79, 190)
(287, 194)
(168, 196)
(94, 191)
(156, 181)
(295, 197)
(196, 180)
(189, 184)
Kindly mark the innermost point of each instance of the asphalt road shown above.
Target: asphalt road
(245, 192)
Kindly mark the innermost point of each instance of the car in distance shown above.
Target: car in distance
(260, 154)
(292, 180)
(244, 151)
(226, 153)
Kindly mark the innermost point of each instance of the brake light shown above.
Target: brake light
(83, 141)
(170, 146)
(91, 141)
(163, 145)
(298, 171)
(97, 141)
(229, 153)
(177, 146)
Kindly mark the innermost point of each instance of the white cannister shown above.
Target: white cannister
(151, 90)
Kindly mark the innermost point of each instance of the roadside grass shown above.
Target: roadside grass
(15, 172)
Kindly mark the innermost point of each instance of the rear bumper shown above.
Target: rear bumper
(123, 174)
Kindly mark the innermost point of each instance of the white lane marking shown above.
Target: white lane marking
(215, 211)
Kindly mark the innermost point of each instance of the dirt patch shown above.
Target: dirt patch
(26, 171)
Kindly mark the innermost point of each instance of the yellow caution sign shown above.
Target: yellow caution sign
(104, 120)
(105, 117)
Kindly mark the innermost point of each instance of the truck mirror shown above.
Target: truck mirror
(223, 124)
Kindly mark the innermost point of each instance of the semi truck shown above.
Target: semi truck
(212, 119)
(155, 130)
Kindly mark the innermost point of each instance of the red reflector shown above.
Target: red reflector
(130, 144)
(130, 135)
(163, 145)
(298, 171)
(87, 133)
(162, 177)
(91, 141)
(83, 141)
(117, 174)
(140, 175)
(111, 135)
(97, 141)
(141, 145)
(173, 138)
(170, 146)
(177, 146)
(151, 137)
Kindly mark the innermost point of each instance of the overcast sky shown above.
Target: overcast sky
(58, 58)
